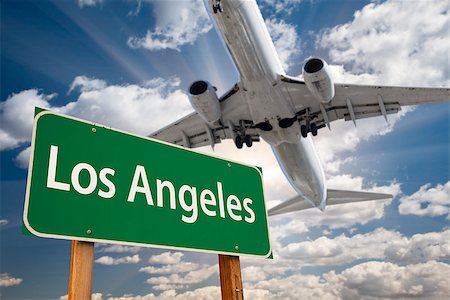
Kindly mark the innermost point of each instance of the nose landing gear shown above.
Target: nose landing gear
(217, 7)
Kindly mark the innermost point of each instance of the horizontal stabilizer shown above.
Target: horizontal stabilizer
(340, 197)
(334, 197)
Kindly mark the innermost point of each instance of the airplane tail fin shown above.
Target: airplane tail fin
(334, 197)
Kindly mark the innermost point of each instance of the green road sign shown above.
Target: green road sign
(93, 183)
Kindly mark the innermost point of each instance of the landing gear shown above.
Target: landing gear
(312, 127)
(248, 141)
(239, 141)
(304, 130)
(240, 135)
(217, 7)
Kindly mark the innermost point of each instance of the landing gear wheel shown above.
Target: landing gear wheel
(313, 129)
(239, 142)
(304, 131)
(217, 7)
(248, 141)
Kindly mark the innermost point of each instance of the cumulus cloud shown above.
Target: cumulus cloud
(401, 42)
(381, 46)
(380, 244)
(16, 117)
(166, 258)
(181, 267)
(177, 274)
(102, 248)
(281, 6)
(291, 228)
(373, 280)
(427, 201)
(110, 261)
(6, 280)
(139, 109)
(95, 296)
(178, 23)
(336, 146)
(22, 160)
(369, 280)
(82, 3)
(87, 84)
(419, 248)
(204, 293)
(286, 41)
(177, 281)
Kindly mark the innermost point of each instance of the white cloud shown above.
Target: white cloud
(16, 117)
(110, 261)
(23, 159)
(400, 42)
(134, 108)
(177, 23)
(282, 6)
(370, 280)
(420, 248)
(6, 280)
(3, 222)
(101, 248)
(334, 146)
(253, 274)
(166, 258)
(82, 3)
(176, 281)
(374, 280)
(427, 201)
(204, 293)
(87, 84)
(380, 244)
(177, 273)
(290, 287)
(291, 228)
(180, 267)
(95, 296)
(394, 43)
(286, 41)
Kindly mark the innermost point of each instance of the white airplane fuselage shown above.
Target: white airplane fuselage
(244, 32)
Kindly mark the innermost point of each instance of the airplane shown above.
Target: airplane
(283, 110)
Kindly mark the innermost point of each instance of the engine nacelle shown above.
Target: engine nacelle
(318, 80)
(204, 100)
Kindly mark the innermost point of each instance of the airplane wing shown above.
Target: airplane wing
(334, 197)
(192, 131)
(353, 102)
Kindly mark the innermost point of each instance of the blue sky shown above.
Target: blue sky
(128, 63)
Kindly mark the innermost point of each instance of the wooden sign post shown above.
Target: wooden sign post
(230, 277)
(81, 266)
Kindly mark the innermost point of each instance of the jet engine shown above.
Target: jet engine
(318, 80)
(204, 100)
